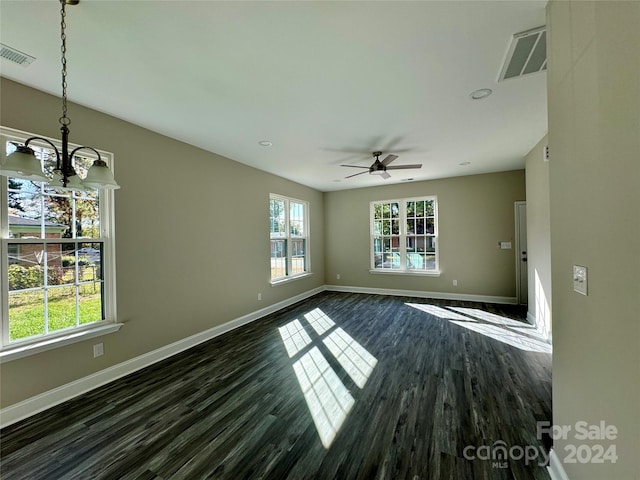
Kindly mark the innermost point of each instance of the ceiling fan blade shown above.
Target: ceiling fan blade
(385, 175)
(399, 167)
(355, 174)
(388, 159)
(354, 166)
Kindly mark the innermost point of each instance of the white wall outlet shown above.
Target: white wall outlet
(259, 296)
(455, 283)
(580, 279)
(505, 245)
(98, 350)
(337, 276)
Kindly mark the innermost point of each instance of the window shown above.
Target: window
(404, 236)
(289, 235)
(57, 253)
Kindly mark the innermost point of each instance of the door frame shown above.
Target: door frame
(519, 295)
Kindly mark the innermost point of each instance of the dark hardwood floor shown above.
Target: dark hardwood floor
(382, 387)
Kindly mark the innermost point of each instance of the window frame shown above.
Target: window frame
(22, 347)
(289, 238)
(402, 235)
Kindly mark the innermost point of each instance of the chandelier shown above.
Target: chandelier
(23, 164)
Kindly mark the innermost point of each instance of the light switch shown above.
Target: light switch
(505, 245)
(580, 279)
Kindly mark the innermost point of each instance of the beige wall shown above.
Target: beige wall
(475, 213)
(539, 238)
(192, 245)
(594, 140)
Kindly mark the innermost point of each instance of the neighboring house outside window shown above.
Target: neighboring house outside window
(404, 236)
(289, 236)
(29, 254)
(58, 264)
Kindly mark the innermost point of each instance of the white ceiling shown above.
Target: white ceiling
(326, 82)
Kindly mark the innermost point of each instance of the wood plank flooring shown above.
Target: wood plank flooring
(408, 388)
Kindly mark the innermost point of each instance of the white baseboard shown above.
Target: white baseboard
(423, 294)
(555, 468)
(21, 410)
(531, 318)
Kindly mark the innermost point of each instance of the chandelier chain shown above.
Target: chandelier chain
(64, 120)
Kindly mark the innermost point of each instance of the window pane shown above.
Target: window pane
(429, 208)
(278, 258)
(24, 213)
(58, 214)
(277, 218)
(61, 306)
(430, 225)
(87, 218)
(90, 255)
(81, 165)
(26, 314)
(395, 210)
(90, 302)
(298, 257)
(296, 219)
(27, 268)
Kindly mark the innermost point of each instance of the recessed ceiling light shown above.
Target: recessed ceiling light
(265, 143)
(480, 94)
(465, 163)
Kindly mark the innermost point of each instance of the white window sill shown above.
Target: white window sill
(13, 352)
(280, 281)
(416, 273)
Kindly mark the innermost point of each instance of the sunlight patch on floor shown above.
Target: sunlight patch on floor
(439, 312)
(507, 336)
(294, 337)
(319, 321)
(354, 358)
(487, 316)
(506, 330)
(328, 399)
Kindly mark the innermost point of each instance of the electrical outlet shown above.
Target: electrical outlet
(580, 279)
(337, 276)
(455, 283)
(259, 296)
(98, 350)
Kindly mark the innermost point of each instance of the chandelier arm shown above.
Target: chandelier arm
(48, 142)
(73, 152)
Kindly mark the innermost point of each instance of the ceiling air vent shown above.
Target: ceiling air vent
(15, 56)
(527, 54)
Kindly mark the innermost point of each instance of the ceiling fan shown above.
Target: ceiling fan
(381, 167)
